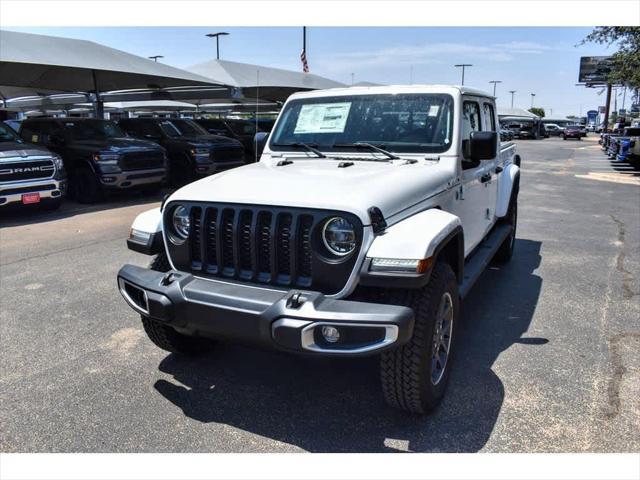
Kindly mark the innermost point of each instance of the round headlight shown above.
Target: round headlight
(181, 222)
(339, 236)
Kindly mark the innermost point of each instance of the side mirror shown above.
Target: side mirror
(483, 146)
(259, 142)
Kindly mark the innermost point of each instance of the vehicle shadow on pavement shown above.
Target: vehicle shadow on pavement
(15, 215)
(336, 405)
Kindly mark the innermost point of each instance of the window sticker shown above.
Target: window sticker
(433, 110)
(323, 118)
(34, 138)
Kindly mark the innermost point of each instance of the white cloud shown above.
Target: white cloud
(433, 53)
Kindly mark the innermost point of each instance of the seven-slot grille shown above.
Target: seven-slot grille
(140, 160)
(258, 245)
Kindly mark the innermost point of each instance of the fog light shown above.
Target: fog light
(330, 334)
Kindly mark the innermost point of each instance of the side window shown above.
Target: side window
(470, 123)
(489, 118)
(36, 132)
(149, 128)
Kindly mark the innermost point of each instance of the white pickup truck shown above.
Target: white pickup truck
(371, 213)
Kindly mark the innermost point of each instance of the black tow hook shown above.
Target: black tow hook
(295, 301)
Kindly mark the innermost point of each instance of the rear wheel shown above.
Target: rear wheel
(505, 252)
(166, 337)
(414, 377)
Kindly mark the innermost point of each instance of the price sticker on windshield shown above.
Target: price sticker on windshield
(323, 118)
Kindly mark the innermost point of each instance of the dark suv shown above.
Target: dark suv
(192, 151)
(98, 156)
(242, 130)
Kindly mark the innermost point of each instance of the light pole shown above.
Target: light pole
(512, 92)
(463, 65)
(532, 97)
(156, 57)
(352, 76)
(495, 82)
(217, 37)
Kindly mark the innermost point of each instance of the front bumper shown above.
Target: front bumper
(133, 178)
(49, 189)
(288, 320)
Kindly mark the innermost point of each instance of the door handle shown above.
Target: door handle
(485, 178)
(499, 169)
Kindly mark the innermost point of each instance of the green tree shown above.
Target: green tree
(537, 111)
(626, 61)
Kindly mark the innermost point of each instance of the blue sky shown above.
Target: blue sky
(529, 60)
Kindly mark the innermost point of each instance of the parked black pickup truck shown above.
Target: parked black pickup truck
(192, 151)
(98, 156)
(29, 174)
(241, 130)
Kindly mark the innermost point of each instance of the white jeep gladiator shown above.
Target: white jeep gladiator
(371, 213)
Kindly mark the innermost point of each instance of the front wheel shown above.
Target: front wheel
(85, 186)
(414, 376)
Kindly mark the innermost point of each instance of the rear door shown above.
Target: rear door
(489, 124)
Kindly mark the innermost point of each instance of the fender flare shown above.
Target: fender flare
(146, 233)
(427, 234)
(508, 186)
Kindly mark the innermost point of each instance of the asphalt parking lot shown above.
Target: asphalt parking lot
(548, 353)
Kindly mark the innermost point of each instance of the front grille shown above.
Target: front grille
(141, 160)
(26, 170)
(277, 246)
(227, 153)
(251, 245)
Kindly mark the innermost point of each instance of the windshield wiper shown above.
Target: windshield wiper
(367, 146)
(309, 148)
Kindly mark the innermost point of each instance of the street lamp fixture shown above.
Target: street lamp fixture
(217, 37)
(156, 57)
(495, 82)
(532, 97)
(463, 65)
(512, 92)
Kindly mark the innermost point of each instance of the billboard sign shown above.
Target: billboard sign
(592, 117)
(594, 69)
(602, 109)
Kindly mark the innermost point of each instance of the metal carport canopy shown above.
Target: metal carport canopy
(70, 65)
(259, 82)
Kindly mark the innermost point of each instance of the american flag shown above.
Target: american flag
(305, 65)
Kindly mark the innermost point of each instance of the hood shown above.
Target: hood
(321, 184)
(17, 149)
(115, 145)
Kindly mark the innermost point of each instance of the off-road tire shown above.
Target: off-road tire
(505, 251)
(166, 337)
(85, 186)
(405, 372)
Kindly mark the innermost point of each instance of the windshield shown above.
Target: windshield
(410, 123)
(93, 130)
(182, 128)
(7, 134)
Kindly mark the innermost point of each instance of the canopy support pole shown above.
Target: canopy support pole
(98, 104)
